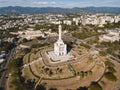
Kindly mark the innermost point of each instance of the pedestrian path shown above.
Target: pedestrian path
(25, 65)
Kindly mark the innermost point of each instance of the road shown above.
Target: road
(113, 58)
(5, 75)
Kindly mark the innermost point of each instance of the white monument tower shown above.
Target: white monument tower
(60, 49)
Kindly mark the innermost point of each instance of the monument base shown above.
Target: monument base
(55, 58)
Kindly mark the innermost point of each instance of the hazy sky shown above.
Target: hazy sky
(60, 3)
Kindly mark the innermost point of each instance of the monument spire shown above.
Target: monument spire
(60, 32)
(59, 46)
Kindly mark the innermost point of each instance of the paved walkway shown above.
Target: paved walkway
(39, 81)
(25, 65)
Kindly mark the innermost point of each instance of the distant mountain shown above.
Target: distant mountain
(36, 10)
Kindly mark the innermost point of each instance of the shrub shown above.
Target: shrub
(95, 86)
(40, 87)
(82, 88)
(111, 69)
(109, 64)
(103, 53)
(110, 76)
(85, 45)
(53, 89)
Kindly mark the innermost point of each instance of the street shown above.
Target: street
(5, 75)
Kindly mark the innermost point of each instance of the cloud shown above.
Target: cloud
(3, 0)
(45, 3)
(60, 3)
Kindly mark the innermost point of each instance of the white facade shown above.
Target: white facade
(60, 49)
(1, 61)
(30, 34)
(112, 35)
(67, 22)
(99, 20)
(56, 22)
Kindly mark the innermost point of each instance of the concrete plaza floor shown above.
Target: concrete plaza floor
(54, 57)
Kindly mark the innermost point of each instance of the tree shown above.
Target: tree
(82, 74)
(47, 70)
(109, 64)
(95, 86)
(40, 87)
(110, 76)
(103, 53)
(13, 66)
(50, 73)
(53, 89)
(111, 69)
(90, 72)
(82, 88)
(25, 40)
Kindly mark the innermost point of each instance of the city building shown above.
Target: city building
(67, 22)
(30, 34)
(111, 36)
